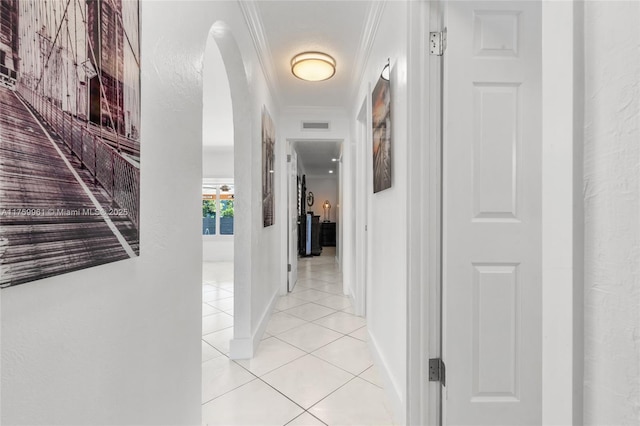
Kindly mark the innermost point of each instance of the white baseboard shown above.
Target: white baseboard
(391, 386)
(244, 348)
(241, 348)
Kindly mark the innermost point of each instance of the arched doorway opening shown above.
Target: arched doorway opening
(218, 202)
(226, 147)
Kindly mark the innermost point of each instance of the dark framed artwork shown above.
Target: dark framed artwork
(69, 136)
(381, 123)
(268, 168)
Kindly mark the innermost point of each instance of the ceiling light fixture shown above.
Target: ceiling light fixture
(313, 66)
(330, 171)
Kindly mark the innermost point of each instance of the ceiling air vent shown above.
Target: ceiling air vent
(315, 125)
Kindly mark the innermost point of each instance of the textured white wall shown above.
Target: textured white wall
(612, 213)
(120, 343)
(387, 283)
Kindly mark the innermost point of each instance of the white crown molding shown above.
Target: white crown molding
(253, 20)
(367, 38)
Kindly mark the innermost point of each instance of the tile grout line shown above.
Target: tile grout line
(324, 316)
(304, 351)
(317, 349)
(235, 388)
(337, 366)
(268, 384)
(302, 414)
(229, 391)
(332, 392)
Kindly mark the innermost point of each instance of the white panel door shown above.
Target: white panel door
(492, 213)
(293, 220)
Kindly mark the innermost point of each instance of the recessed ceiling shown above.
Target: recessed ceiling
(317, 155)
(333, 27)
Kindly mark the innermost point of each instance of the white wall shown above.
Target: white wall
(323, 189)
(217, 162)
(612, 213)
(217, 248)
(217, 113)
(293, 117)
(120, 343)
(387, 284)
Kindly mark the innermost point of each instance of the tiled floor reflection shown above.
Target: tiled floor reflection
(312, 368)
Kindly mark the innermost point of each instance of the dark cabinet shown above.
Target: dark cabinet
(328, 234)
(309, 243)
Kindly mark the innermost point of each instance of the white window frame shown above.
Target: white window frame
(217, 183)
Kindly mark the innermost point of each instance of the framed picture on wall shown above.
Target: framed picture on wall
(381, 120)
(268, 168)
(69, 136)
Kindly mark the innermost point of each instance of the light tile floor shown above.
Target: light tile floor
(313, 366)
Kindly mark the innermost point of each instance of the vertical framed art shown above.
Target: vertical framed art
(268, 168)
(69, 136)
(381, 123)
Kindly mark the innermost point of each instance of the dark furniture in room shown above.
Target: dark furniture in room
(314, 235)
(328, 234)
(302, 235)
(316, 248)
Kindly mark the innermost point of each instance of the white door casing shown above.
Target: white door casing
(362, 199)
(492, 343)
(292, 183)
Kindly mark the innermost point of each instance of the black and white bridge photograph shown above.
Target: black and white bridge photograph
(69, 136)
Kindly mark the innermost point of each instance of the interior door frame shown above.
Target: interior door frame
(291, 245)
(285, 235)
(363, 199)
(562, 214)
(424, 213)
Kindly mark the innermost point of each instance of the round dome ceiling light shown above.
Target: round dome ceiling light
(313, 66)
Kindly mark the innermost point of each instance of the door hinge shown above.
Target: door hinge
(438, 42)
(289, 267)
(437, 371)
(288, 158)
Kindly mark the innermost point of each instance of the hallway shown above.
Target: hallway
(507, 246)
(313, 366)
